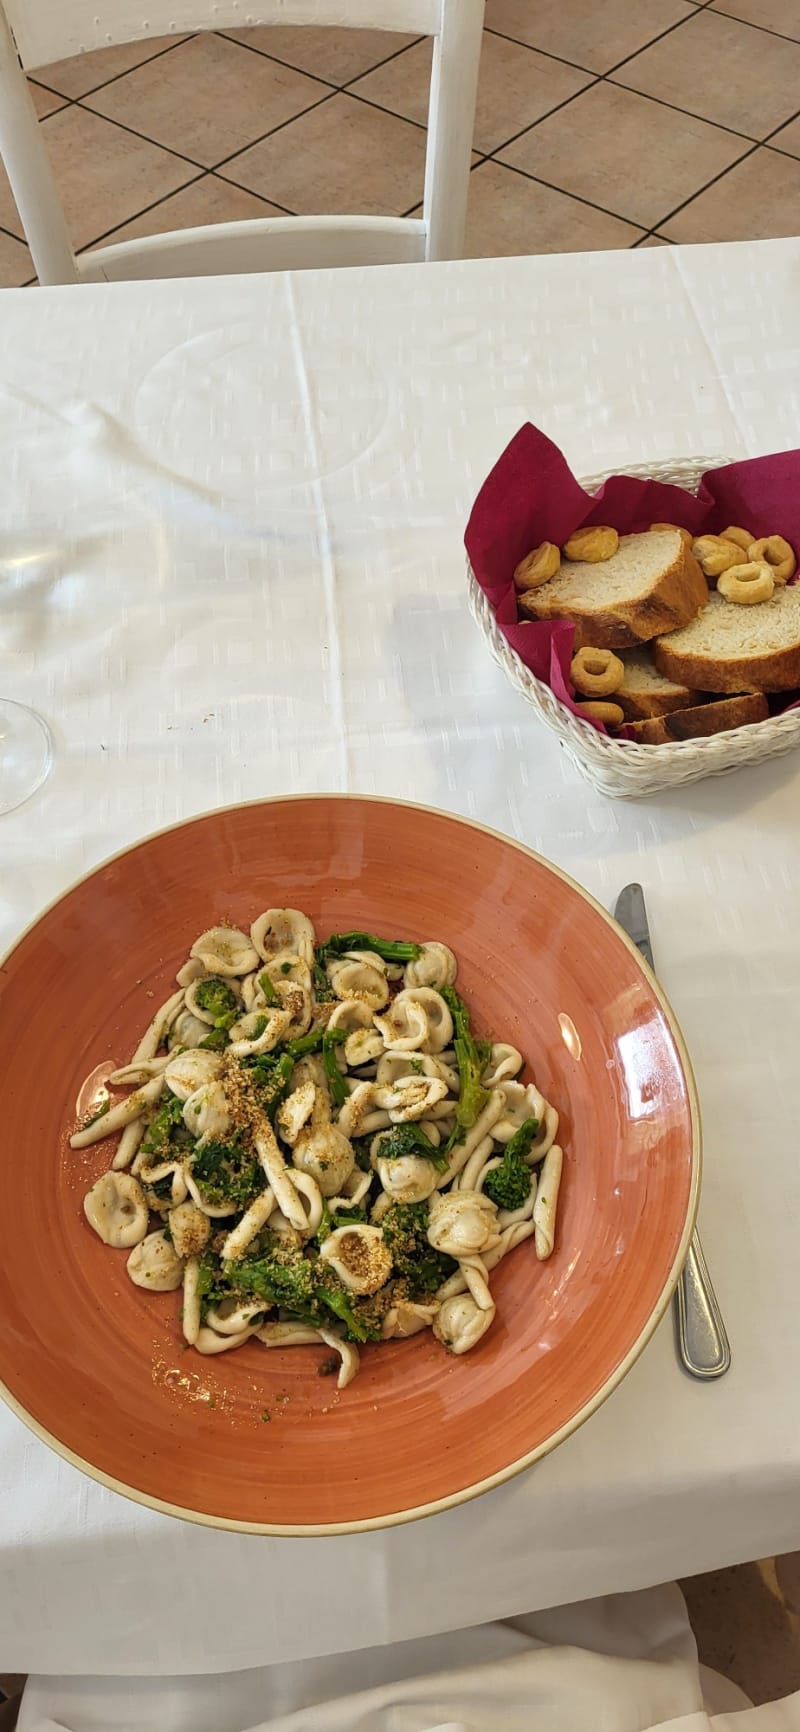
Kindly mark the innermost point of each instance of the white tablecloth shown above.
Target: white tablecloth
(232, 566)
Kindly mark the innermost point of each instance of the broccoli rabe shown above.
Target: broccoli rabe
(325, 1224)
(335, 1077)
(418, 1266)
(303, 1287)
(390, 949)
(353, 1213)
(272, 1073)
(215, 997)
(471, 1058)
(313, 1042)
(361, 1149)
(216, 1040)
(227, 1173)
(509, 1185)
(323, 991)
(99, 1113)
(268, 989)
(166, 1132)
(410, 1139)
(342, 1218)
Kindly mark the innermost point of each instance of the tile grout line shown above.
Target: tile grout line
(276, 61)
(689, 113)
(207, 174)
(225, 161)
(490, 155)
(72, 100)
(575, 196)
(766, 29)
(707, 188)
(205, 167)
(670, 31)
(591, 71)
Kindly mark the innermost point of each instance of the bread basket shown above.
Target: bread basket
(625, 769)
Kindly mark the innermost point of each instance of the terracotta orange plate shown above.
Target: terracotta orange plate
(258, 1439)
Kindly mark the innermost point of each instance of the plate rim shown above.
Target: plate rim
(400, 1518)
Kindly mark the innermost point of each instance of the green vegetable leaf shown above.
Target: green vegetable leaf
(421, 1269)
(228, 1173)
(361, 1149)
(410, 1139)
(166, 1133)
(268, 989)
(346, 1217)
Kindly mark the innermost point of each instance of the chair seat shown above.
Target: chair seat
(260, 244)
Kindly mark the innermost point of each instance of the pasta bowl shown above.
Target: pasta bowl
(260, 1441)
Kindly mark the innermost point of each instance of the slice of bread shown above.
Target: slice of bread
(645, 692)
(652, 584)
(702, 720)
(735, 649)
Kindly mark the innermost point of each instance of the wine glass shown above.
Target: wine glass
(26, 753)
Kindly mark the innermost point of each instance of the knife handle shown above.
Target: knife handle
(702, 1337)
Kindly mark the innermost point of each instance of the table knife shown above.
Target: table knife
(703, 1343)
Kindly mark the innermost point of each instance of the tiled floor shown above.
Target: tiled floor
(633, 123)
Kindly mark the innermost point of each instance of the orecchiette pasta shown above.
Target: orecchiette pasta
(316, 1149)
(116, 1207)
(155, 1263)
(224, 950)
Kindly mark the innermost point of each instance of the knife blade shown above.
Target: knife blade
(703, 1343)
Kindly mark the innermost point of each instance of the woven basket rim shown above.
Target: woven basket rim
(626, 769)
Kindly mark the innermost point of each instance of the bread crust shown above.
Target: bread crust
(763, 671)
(641, 704)
(677, 596)
(702, 720)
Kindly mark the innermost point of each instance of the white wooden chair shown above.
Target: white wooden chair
(37, 32)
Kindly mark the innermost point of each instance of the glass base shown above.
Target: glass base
(26, 753)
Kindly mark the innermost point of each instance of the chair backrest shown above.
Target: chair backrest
(34, 33)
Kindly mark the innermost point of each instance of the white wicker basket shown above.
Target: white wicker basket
(617, 767)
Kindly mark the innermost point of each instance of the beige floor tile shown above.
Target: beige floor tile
(342, 157)
(780, 15)
(510, 215)
(636, 158)
(725, 71)
(335, 55)
(654, 241)
(744, 1631)
(209, 99)
(84, 72)
(209, 200)
(517, 86)
(757, 201)
(788, 139)
(581, 30)
(16, 265)
(44, 101)
(105, 176)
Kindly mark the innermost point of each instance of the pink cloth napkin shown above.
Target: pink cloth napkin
(531, 496)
